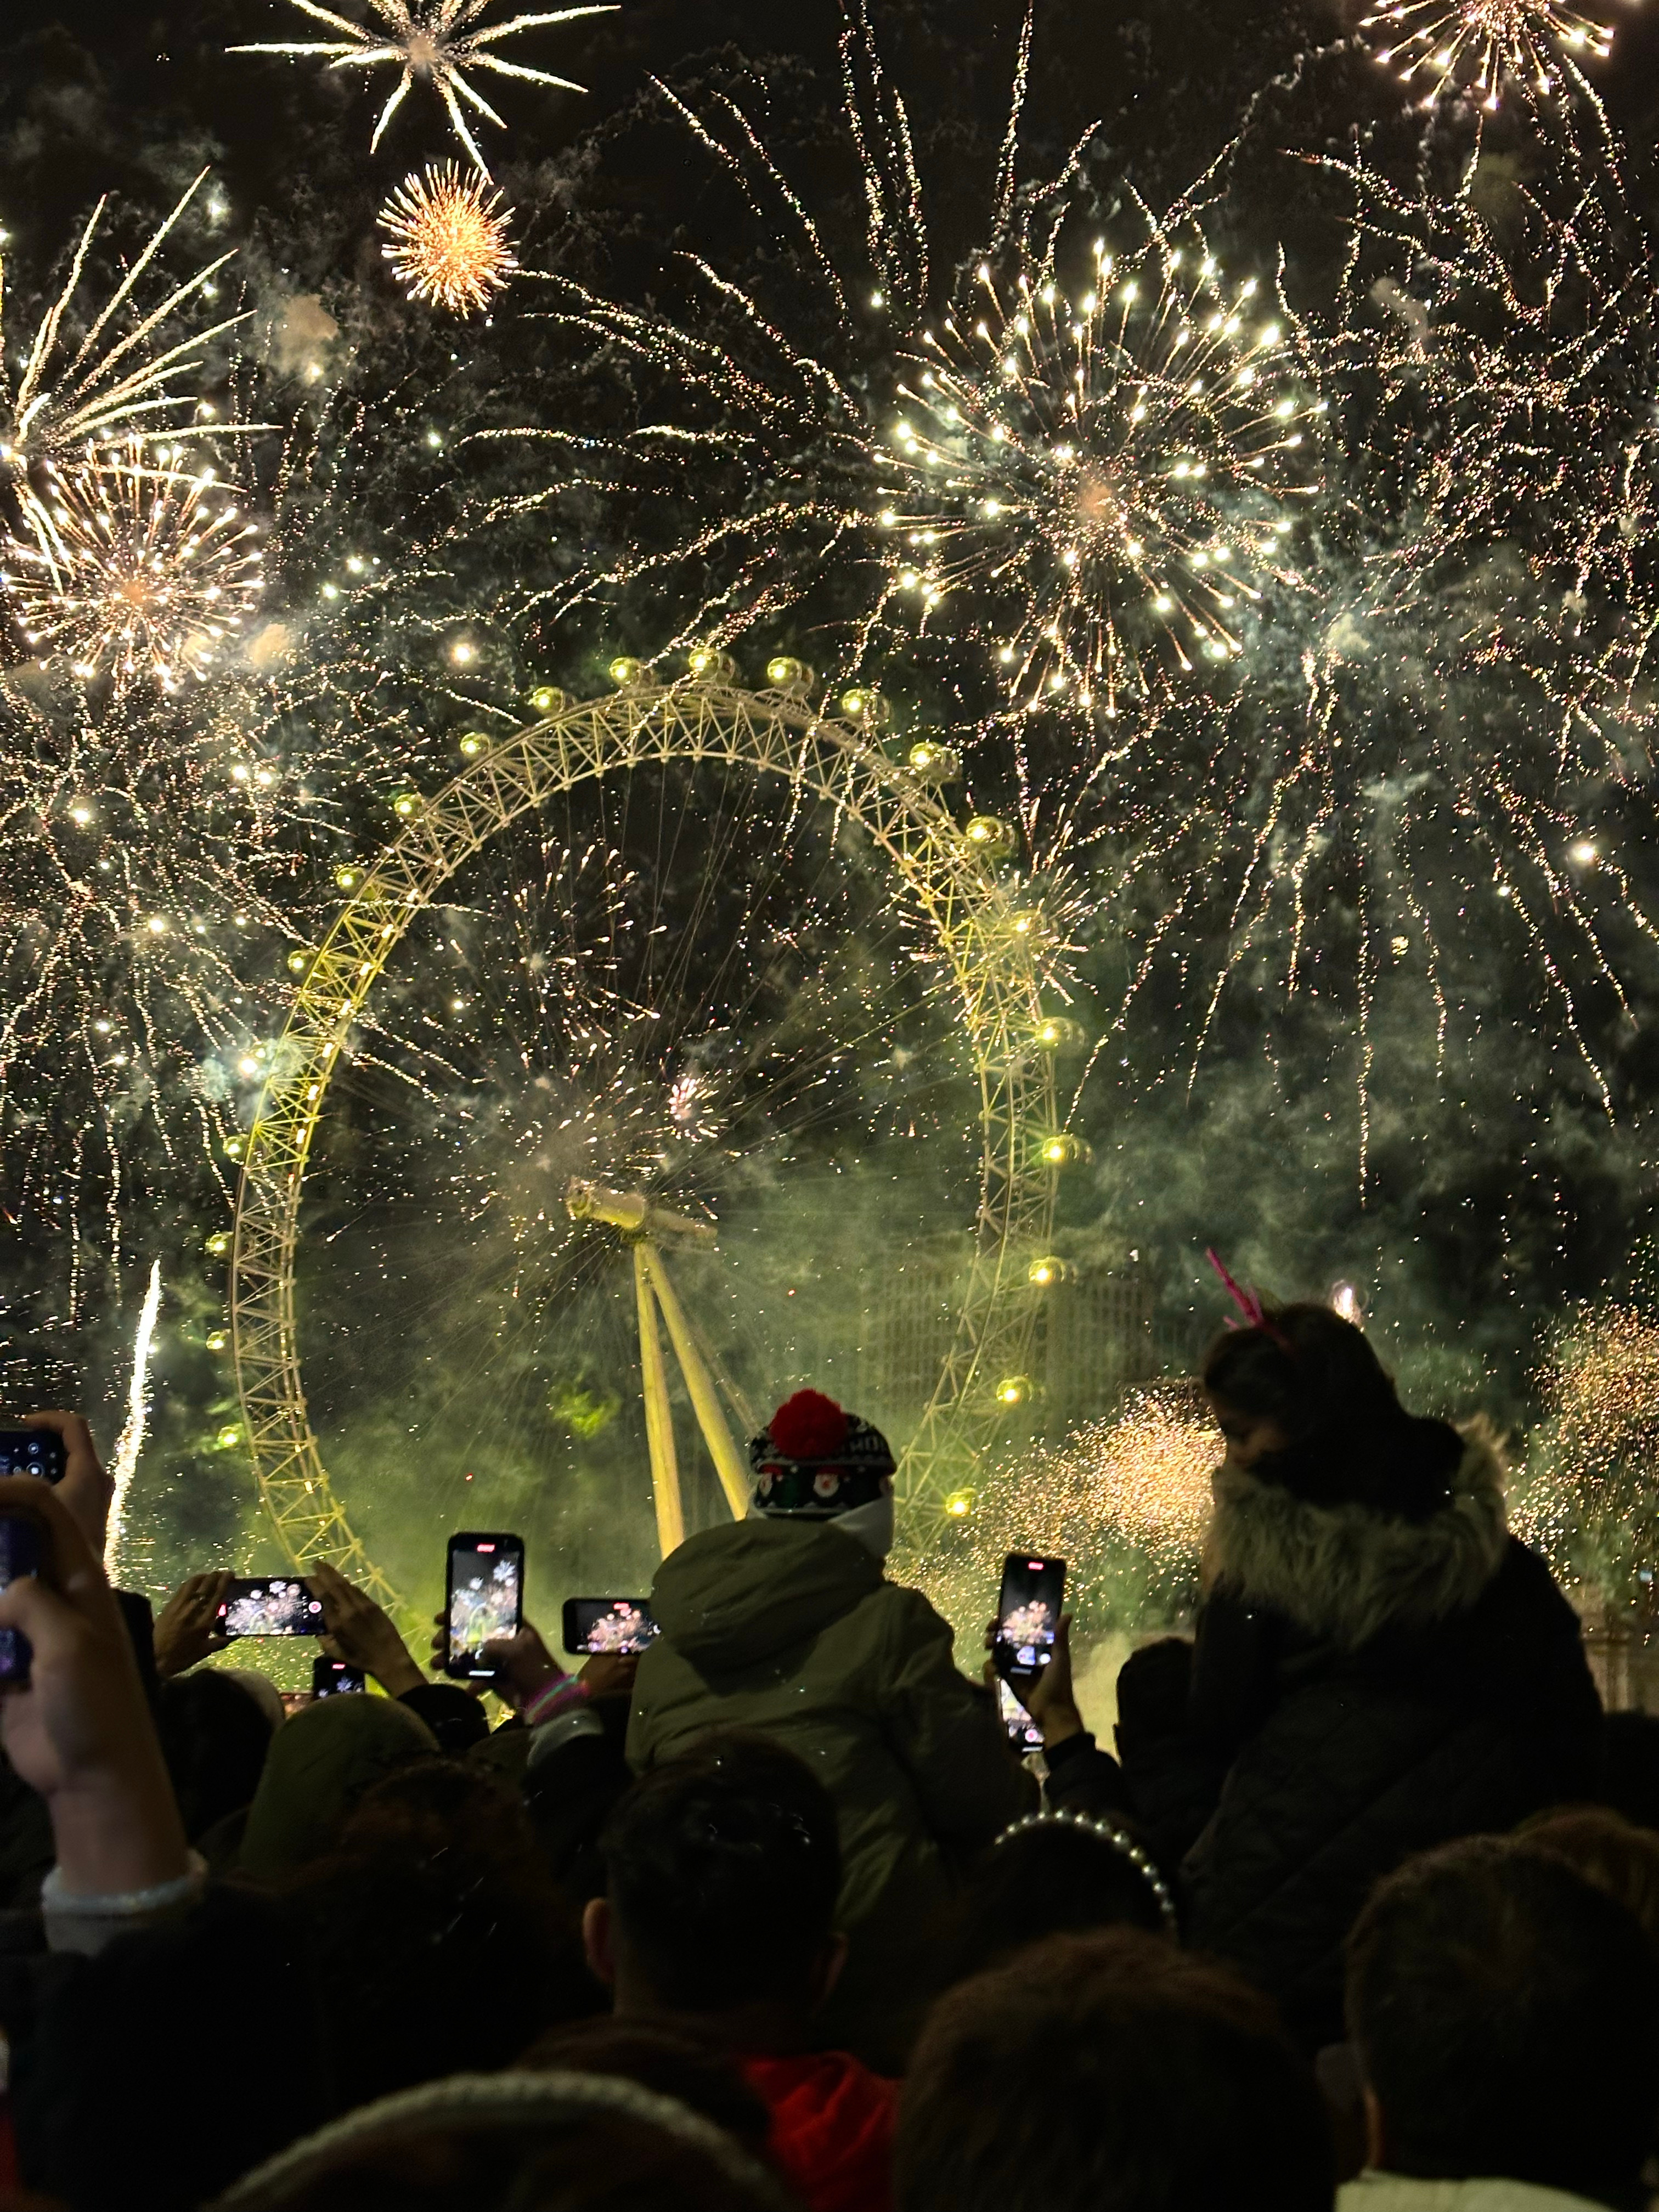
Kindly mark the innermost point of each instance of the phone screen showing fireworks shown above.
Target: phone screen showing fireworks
(484, 1600)
(270, 1605)
(607, 1624)
(1028, 1615)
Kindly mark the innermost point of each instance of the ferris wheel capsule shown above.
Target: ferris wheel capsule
(867, 706)
(940, 764)
(785, 673)
(709, 666)
(989, 834)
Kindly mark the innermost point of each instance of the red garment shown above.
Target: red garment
(832, 2128)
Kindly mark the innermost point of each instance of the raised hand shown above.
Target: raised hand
(361, 1632)
(188, 1627)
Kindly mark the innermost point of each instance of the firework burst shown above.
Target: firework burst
(1100, 472)
(133, 568)
(449, 242)
(432, 43)
(1478, 46)
(1125, 1501)
(112, 381)
(1587, 1500)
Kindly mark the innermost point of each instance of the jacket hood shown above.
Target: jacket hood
(1372, 2191)
(1346, 1572)
(735, 1595)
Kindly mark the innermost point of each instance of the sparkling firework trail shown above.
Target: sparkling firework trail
(434, 44)
(1478, 46)
(1103, 478)
(113, 382)
(449, 241)
(131, 1443)
(132, 567)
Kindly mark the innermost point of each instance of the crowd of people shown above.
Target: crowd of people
(1359, 1908)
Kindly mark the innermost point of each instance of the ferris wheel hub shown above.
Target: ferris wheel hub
(631, 1212)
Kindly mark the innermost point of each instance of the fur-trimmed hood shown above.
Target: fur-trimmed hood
(1345, 1572)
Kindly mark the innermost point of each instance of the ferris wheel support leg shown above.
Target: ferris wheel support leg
(705, 1403)
(659, 1415)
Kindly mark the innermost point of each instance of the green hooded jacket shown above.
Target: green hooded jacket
(791, 1628)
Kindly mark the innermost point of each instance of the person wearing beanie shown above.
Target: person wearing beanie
(1379, 1667)
(785, 1623)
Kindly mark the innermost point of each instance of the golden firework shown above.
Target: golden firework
(432, 42)
(448, 240)
(131, 568)
(1477, 45)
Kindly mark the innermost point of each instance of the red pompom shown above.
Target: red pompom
(809, 1426)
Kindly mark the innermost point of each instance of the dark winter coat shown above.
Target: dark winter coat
(792, 1629)
(1362, 1688)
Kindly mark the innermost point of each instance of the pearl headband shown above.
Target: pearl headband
(1124, 1845)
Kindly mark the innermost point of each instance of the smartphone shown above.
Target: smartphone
(484, 1598)
(332, 1678)
(270, 1605)
(1028, 1615)
(1023, 1731)
(20, 1554)
(607, 1624)
(34, 1451)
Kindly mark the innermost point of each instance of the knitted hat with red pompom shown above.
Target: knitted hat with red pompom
(815, 1461)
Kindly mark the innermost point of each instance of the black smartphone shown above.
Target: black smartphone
(607, 1624)
(1028, 1615)
(1023, 1731)
(34, 1451)
(20, 1554)
(332, 1678)
(270, 1605)
(483, 1597)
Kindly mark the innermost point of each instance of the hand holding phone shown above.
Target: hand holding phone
(187, 1627)
(361, 1633)
(78, 1730)
(72, 1465)
(1028, 1617)
(483, 1599)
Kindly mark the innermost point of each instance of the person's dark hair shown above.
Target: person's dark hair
(1605, 1849)
(214, 1738)
(436, 1938)
(668, 2062)
(1049, 1878)
(1109, 2073)
(722, 1869)
(1349, 1440)
(1505, 2013)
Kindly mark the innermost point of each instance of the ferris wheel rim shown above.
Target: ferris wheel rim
(996, 978)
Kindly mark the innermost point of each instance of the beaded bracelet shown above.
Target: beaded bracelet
(1125, 1845)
